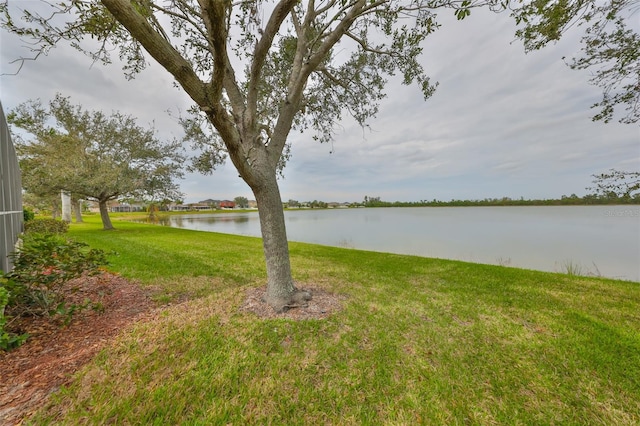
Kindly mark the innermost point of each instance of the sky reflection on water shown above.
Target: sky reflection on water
(602, 240)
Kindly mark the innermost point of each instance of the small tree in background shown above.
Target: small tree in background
(241, 202)
(92, 155)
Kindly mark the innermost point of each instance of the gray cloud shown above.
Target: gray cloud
(501, 123)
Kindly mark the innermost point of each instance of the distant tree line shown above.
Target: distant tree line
(571, 200)
(612, 187)
(315, 204)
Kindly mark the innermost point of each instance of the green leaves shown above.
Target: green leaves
(616, 184)
(463, 11)
(93, 155)
(8, 340)
(45, 226)
(42, 266)
(610, 49)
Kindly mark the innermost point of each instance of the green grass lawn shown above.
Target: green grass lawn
(419, 341)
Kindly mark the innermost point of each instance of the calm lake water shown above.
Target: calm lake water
(600, 240)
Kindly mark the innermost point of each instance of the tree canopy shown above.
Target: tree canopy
(241, 202)
(610, 45)
(91, 155)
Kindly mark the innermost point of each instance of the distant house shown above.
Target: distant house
(178, 207)
(334, 205)
(199, 206)
(188, 207)
(211, 203)
(226, 204)
(117, 207)
(253, 204)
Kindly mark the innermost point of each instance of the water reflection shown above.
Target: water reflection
(236, 219)
(164, 220)
(229, 223)
(601, 240)
(192, 221)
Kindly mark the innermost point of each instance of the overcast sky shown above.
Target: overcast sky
(501, 123)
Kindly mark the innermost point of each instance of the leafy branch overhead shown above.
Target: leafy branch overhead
(616, 184)
(309, 63)
(611, 45)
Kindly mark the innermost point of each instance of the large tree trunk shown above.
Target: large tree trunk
(55, 209)
(77, 209)
(281, 292)
(104, 215)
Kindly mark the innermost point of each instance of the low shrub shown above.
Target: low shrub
(42, 265)
(7, 340)
(45, 226)
(28, 214)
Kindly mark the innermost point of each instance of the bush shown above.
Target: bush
(7, 340)
(45, 226)
(28, 214)
(42, 266)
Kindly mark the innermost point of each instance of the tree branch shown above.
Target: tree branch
(298, 79)
(214, 15)
(280, 13)
(325, 72)
(159, 48)
(365, 46)
(324, 9)
(180, 16)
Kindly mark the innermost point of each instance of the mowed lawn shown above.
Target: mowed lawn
(419, 341)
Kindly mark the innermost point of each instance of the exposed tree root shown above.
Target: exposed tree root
(321, 306)
(298, 299)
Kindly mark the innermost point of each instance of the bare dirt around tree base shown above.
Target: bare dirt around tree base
(321, 305)
(53, 352)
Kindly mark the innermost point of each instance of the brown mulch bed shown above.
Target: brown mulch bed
(54, 352)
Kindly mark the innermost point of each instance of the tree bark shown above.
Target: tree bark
(104, 215)
(77, 209)
(281, 292)
(66, 206)
(55, 209)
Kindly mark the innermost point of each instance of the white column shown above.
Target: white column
(66, 206)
